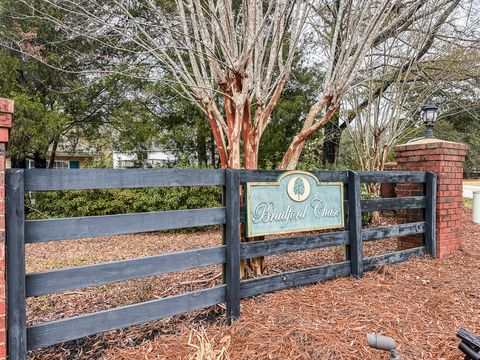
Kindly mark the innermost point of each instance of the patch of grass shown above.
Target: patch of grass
(45, 307)
(206, 347)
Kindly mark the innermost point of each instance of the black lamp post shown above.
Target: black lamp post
(429, 118)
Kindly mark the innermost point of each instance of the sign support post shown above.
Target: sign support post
(355, 224)
(232, 239)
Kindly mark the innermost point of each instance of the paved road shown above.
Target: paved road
(468, 190)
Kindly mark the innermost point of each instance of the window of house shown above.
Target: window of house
(59, 164)
(126, 163)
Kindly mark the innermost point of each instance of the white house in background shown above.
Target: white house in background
(155, 158)
(65, 157)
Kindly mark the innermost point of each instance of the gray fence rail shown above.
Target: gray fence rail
(22, 338)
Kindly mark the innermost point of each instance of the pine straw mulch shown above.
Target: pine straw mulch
(421, 303)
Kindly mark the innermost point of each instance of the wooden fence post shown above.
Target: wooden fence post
(346, 221)
(430, 213)
(355, 224)
(16, 305)
(224, 232)
(232, 238)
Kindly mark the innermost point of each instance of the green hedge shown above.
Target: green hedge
(58, 204)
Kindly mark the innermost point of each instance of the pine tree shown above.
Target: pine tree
(299, 187)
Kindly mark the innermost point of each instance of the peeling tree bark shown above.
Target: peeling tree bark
(217, 137)
(290, 159)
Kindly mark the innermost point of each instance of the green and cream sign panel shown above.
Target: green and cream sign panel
(296, 202)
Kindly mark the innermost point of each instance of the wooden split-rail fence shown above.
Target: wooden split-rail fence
(20, 231)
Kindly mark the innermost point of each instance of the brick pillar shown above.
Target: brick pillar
(388, 189)
(6, 117)
(446, 159)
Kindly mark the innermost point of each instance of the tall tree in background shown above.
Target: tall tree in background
(53, 106)
(181, 124)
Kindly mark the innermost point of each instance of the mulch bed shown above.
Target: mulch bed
(421, 303)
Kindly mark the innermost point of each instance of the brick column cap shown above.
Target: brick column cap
(428, 143)
(6, 106)
(6, 118)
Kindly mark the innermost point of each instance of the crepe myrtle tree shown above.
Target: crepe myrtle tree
(400, 77)
(386, 106)
(348, 32)
(393, 113)
(230, 58)
(440, 29)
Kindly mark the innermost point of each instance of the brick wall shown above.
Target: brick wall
(6, 117)
(446, 159)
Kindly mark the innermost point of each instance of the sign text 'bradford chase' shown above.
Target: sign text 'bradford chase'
(296, 202)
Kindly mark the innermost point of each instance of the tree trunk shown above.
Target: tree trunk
(373, 189)
(237, 128)
(310, 127)
(254, 266)
(39, 160)
(217, 136)
(142, 157)
(212, 151)
(53, 155)
(201, 145)
(331, 141)
(18, 162)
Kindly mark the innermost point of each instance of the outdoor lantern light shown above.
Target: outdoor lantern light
(429, 118)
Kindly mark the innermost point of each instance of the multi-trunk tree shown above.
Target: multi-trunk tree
(349, 34)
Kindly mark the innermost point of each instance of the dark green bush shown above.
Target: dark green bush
(367, 216)
(57, 204)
